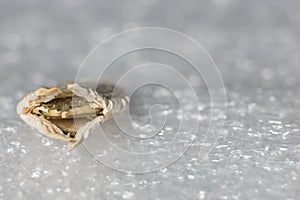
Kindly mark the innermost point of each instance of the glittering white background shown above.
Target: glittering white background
(256, 46)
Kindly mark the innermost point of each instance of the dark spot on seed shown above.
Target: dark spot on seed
(72, 135)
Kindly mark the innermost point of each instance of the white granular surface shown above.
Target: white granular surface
(256, 47)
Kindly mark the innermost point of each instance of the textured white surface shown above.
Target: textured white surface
(255, 45)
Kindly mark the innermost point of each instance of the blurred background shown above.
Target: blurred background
(255, 44)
